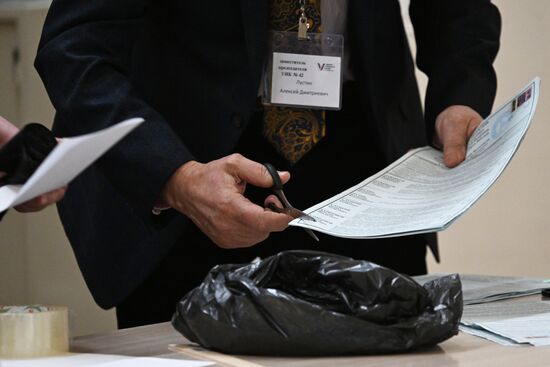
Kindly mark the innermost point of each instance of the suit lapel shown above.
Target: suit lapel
(361, 25)
(255, 20)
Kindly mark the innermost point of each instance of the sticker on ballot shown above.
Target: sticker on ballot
(306, 80)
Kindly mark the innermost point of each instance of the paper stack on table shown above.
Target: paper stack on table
(417, 193)
(489, 288)
(506, 323)
(512, 323)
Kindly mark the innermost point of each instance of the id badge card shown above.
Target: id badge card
(304, 73)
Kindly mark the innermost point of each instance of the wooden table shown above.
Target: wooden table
(462, 350)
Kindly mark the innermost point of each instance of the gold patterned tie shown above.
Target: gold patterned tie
(293, 131)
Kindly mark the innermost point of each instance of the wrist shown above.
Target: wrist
(174, 191)
(7, 130)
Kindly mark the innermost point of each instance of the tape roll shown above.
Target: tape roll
(33, 331)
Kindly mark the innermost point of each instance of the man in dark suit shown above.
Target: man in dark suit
(193, 70)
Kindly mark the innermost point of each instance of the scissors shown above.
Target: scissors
(287, 207)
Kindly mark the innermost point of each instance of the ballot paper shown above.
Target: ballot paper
(101, 360)
(507, 323)
(68, 159)
(418, 193)
(510, 324)
(489, 288)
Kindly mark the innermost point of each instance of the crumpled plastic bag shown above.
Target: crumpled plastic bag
(314, 303)
(22, 155)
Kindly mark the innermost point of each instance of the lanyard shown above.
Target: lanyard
(302, 22)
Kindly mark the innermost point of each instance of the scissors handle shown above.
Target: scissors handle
(288, 208)
(277, 184)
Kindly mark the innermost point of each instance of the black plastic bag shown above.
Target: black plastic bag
(22, 155)
(313, 303)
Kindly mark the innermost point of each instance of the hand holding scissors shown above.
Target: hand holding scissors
(287, 207)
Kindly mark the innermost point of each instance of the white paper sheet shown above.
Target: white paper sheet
(533, 330)
(499, 311)
(102, 360)
(509, 323)
(68, 159)
(417, 193)
(489, 288)
(472, 330)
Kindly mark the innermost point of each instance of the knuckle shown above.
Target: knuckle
(234, 159)
(225, 206)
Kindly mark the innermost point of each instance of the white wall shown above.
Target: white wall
(36, 262)
(507, 232)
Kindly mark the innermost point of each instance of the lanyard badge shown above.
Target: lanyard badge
(304, 69)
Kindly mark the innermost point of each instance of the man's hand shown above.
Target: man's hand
(211, 195)
(454, 126)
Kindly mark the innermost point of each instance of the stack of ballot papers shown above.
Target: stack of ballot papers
(489, 288)
(507, 323)
(418, 193)
(510, 324)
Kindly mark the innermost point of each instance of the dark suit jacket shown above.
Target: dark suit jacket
(192, 70)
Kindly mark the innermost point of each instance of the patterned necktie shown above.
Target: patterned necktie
(293, 131)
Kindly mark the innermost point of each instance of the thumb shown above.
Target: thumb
(253, 172)
(454, 150)
(454, 127)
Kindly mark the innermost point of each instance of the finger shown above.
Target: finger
(55, 196)
(262, 220)
(33, 205)
(473, 125)
(455, 141)
(253, 172)
(454, 152)
(274, 200)
(453, 137)
(50, 198)
(41, 201)
(273, 222)
(29, 206)
(285, 176)
(454, 127)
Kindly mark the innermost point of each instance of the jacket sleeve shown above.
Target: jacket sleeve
(84, 60)
(457, 42)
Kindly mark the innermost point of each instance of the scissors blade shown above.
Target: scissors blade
(296, 213)
(293, 212)
(312, 234)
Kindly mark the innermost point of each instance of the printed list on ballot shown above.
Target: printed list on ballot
(418, 193)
